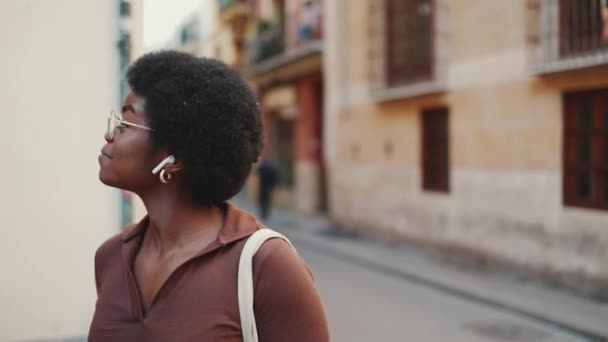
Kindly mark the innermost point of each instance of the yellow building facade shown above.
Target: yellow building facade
(447, 125)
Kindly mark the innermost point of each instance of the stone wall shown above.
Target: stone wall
(505, 135)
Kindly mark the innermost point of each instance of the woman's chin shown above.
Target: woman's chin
(103, 177)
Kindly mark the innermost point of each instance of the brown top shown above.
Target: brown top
(199, 301)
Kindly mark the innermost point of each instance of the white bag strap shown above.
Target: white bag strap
(245, 279)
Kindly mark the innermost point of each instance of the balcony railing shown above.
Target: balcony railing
(226, 4)
(572, 35)
(266, 45)
(291, 35)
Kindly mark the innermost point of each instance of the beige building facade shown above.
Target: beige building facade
(60, 69)
(284, 63)
(448, 123)
(276, 45)
(226, 23)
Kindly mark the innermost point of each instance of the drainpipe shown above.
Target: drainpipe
(123, 45)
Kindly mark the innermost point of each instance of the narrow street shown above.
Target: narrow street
(365, 303)
(363, 306)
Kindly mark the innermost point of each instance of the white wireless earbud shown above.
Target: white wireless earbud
(169, 160)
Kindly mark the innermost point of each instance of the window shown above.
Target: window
(409, 35)
(189, 32)
(586, 149)
(125, 8)
(581, 26)
(124, 44)
(435, 150)
(283, 149)
(184, 36)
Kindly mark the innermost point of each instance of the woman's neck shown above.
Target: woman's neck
(177, 224)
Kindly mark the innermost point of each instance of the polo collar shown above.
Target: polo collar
(238, 224)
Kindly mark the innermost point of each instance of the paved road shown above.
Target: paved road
(363, 305)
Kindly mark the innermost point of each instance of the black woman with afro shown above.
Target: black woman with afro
(184, 141)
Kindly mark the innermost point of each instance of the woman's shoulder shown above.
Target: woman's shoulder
(276, 258)
(275, 246)
(285, 296)
(106, 253)
(108, 248)
(112, 247)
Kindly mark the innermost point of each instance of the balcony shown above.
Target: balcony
(266, 54)
(231, 10)
(226, 4)
(287, 42)
(572, 35)
(267, 44)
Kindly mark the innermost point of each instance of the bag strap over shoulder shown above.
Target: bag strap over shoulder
(245, 280)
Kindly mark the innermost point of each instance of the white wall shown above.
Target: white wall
(209, 18)
(137, 28)
(59, 76)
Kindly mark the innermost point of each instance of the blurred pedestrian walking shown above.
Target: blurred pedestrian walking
(267, 174)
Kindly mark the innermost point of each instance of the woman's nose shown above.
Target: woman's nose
(106, 136)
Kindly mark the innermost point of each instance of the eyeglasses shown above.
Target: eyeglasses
(116, 120)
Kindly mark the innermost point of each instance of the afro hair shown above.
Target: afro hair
(206, 115)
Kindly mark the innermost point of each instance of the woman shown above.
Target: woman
(185, 140)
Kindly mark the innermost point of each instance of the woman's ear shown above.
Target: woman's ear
(168, 160)
(176, 165)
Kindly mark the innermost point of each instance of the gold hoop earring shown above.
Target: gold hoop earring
(162, 177)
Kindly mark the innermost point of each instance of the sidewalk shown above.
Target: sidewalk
(555, 307)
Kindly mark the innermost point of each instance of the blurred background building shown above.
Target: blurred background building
(476, 127)
(277, 46)
(62, 66)
(284, 63)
